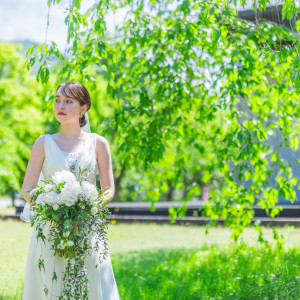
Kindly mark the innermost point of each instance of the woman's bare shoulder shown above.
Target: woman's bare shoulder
(102, 144)
(38, 145)
(40, 141)
(101, 140)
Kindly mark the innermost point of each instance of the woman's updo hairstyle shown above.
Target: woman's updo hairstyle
(77, 91)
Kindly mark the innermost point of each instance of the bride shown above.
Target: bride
(74, 145)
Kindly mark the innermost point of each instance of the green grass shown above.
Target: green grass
(209, 273)
(153, 261)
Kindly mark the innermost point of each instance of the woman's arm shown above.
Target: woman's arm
(34, 167)
(103, 157)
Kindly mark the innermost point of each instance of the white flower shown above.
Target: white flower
(70, 243)
(66, 234)
(89, 190)
(63, 176)
(69, 193)
(59, 199)
(55, 207)
(50, 198)
(48, 187)
(61, 246)
(40, 199)
(94, 203)
(94, 210)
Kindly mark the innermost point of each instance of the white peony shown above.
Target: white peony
(94, 210)
(89, 190)
(59, 199)
(48, 187)
(40, 199)
(70, 192)
(50, 198)
(63, 176)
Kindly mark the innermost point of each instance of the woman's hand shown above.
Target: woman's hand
(31, 195)
(32, 202)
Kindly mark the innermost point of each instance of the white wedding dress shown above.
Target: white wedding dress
(102, 284)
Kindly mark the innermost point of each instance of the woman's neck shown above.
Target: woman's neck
(70, 131)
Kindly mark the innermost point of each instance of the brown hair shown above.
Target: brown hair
(78, 92)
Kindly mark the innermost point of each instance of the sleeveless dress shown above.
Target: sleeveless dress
(102, 284)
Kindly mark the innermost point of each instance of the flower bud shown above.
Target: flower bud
(60, 246)
(94, 210)
(55, 207)
(66, 234)
(70, 243)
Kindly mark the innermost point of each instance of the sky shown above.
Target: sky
(27, 19)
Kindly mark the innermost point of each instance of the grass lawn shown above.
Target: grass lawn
(153, 261)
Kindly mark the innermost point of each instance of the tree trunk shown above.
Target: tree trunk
(170, 191)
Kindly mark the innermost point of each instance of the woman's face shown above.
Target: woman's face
(66, 109)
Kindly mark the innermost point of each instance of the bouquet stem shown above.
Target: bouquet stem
(68, 252)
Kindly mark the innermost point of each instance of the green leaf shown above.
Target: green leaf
(39, 48)
(294, 141)
(297, 25)
(295, 75)
(172, 214)
(29, 51)
(216, 33)
(297, 81)
(55, 217)
(77, 3)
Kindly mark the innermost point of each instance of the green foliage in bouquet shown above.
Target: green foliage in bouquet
(77, 217)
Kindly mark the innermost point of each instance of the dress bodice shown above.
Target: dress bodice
(57, 160)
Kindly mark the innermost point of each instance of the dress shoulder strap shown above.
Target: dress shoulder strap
(93, 143)
(94, 139)
(45, 142)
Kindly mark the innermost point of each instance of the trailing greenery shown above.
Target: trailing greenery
(70, 216)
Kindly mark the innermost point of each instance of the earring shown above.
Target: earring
(81, 114)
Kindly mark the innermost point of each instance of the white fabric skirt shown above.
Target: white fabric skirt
(102, 283)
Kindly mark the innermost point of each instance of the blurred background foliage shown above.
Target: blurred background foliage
(22, 120)
(33, 116)
(187, 96)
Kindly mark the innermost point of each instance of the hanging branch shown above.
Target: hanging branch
(48, 22)
(68, 29)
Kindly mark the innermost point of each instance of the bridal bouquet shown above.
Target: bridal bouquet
(75, 209)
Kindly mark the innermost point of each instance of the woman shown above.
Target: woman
(71, 146)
